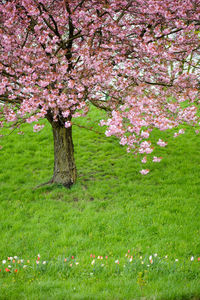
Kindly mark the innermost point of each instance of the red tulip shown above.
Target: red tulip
(7, 270)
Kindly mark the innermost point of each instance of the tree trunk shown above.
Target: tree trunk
(64, 162)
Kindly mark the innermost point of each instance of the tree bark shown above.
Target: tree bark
(64, 162)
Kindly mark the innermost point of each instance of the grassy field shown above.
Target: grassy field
(113, 213)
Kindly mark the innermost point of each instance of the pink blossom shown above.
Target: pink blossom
(37, 127)
(144, 160)
(144, 134)
(157, 159)
(123, 141)
(68, 124)
(144, 171)
(145, 147)
(161, 143)
(181, 131)
(71, 84)
(66, 113)
(176, 134)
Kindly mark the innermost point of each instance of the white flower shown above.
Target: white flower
(140, 257)
(150, 257)
(192, 258)
(102, 265)
(22, 261)
(117, 261)
(15, 257)
(130, 260)
(176, 259)
(24, 266)
(166, 256)
(142, 262)
(92, 263)
(9, 266)
(44, 262)
(11, 258)
(4, 261)
(155, 254)
(77, 263)
(38, 255)
(148, 265)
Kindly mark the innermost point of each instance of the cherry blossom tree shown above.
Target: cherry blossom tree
(136, 59)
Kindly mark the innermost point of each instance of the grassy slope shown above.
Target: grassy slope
(111, 209)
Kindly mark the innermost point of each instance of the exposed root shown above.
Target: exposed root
(43, 184)
(51, 181)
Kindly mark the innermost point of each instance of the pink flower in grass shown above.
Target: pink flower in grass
(144, 171)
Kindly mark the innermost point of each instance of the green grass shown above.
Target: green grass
(112, 208)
